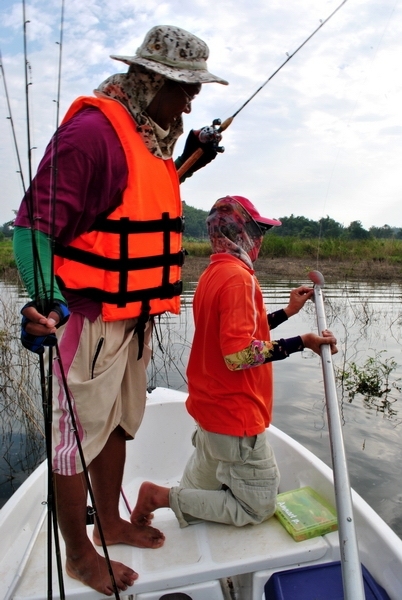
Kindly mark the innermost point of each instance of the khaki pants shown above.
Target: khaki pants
(228, 479)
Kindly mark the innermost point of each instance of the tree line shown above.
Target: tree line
(300, 227)
(6, 230)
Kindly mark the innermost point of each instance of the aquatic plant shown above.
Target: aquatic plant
(374, 381)
(21, 421)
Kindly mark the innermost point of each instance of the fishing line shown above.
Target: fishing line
(85, 472)
(322, 23)
(159, 365)
(219, 127)
(320, 235)
(10, 117)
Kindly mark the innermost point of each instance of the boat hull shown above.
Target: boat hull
(199, 559)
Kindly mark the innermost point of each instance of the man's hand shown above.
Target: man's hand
(37, 330)
(207, 140)
(314, 341)
(298, 298)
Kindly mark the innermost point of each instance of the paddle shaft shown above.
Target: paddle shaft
(351, 569)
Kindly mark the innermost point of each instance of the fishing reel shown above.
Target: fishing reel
(211, 133)
(201, 147)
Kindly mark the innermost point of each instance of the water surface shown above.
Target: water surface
(367, 320)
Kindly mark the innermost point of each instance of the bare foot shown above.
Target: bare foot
(150, 497)
(92, 569)
(144, 520)
(124, 532)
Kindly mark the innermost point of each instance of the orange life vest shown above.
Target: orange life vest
(131, 260)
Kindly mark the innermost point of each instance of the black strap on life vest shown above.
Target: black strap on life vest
(174, 225)
(123, 264)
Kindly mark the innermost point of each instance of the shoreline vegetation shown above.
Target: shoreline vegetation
(293, 258)
(297, 269)
(289, 257)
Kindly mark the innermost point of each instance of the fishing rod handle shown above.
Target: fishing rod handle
(205, 135)
(190, 162)
(226, 123)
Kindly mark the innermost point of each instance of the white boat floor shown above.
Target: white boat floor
(195, 554)
(198, 553)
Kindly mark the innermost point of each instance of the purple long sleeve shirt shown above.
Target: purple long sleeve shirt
(91, 177)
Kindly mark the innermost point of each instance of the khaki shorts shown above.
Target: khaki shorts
(106, 384)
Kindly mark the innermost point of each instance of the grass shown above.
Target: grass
(6, 254)
(332, 249)
(274, 246)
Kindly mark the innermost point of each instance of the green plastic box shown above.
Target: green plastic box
(305, 514)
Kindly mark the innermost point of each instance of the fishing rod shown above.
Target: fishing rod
(46, 302)
(45, 382)
(38, 272)
(94, 511)
(212, 133)
(10, 118)
(54, 155)
(41, 289)
(53, 175)
(54, 171)
(51, 513)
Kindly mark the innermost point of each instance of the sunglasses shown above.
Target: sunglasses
(189, 97)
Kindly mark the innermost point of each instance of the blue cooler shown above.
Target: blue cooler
(317, 582)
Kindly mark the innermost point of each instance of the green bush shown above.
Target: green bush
(275, 246)
(6, 254)
(197, 248)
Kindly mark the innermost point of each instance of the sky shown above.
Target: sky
(322, 138)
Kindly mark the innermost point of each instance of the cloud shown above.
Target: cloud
(322, 137)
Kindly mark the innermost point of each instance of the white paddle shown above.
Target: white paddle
(353, 588)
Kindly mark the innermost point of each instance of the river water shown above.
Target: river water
(367, 321)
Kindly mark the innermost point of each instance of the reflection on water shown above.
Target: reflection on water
(367, 320)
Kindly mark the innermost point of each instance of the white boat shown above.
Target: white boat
(206, 561)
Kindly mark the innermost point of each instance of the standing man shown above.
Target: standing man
(107, 193)
(231, 476)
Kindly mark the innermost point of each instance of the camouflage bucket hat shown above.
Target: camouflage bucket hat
(174, 53)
